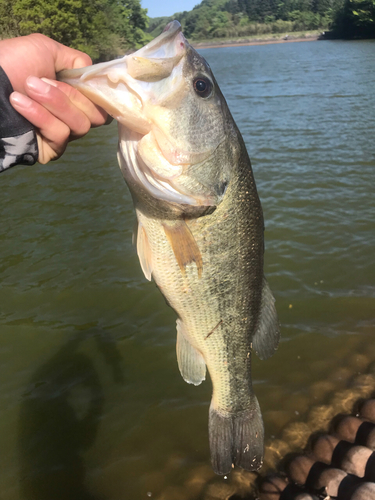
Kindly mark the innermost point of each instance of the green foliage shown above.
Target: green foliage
(8, 25)
(355, 19)
(236, 18)
(305, 20)
(102, 28)
(107, 28)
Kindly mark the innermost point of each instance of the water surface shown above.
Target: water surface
(92, 405)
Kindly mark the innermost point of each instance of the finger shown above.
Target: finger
(59, 105)
(94, 113)
(65, 57)
(71, 58)
(54, 133)
(45, 150)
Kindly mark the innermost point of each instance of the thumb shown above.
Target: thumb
(67, 58)
(82, 61)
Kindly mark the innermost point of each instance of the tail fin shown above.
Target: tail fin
(220, 430)
(236, 439)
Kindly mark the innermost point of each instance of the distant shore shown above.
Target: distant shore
(213, 44)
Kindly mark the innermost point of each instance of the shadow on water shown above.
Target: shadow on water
(59, 420)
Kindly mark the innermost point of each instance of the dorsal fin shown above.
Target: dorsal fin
(184, 246)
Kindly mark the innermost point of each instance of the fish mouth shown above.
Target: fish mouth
(123, 88)
(118, 86)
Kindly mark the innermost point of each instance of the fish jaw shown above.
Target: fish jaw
(121, 86)
(105, 84)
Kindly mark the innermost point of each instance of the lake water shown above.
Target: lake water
(92, 405)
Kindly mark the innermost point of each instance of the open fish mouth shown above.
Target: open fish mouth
(125, 88)
(116, 85)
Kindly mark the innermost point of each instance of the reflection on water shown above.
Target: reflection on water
(91, 401)
(59, 418)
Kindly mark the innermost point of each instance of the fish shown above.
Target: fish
(199, 231)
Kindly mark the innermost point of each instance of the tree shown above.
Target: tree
(363, 12)
(102, 28)
(356, 19)
(252, 17)
(8, 25)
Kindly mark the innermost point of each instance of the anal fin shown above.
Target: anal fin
(267, 335)
(184, 246)
(190, 361)
(144, 251)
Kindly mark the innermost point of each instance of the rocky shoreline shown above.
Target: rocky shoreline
(255, 41)
(326, 452)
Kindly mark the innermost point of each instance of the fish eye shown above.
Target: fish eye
(203, 86)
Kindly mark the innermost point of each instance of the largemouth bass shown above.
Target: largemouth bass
(200, 225)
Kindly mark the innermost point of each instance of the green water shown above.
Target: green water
(92, 405)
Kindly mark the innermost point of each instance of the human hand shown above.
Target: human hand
(59, 112)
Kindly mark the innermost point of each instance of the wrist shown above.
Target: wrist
(6, 50)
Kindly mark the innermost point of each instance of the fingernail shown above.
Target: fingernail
(37, 85)
(20, 100)
(80, 62)
(50, 82)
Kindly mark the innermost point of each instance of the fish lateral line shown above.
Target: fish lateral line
(212, 331)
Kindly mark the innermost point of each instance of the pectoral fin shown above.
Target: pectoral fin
(143, 250)
(267, 335)
(190, 361)
(184, 246)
